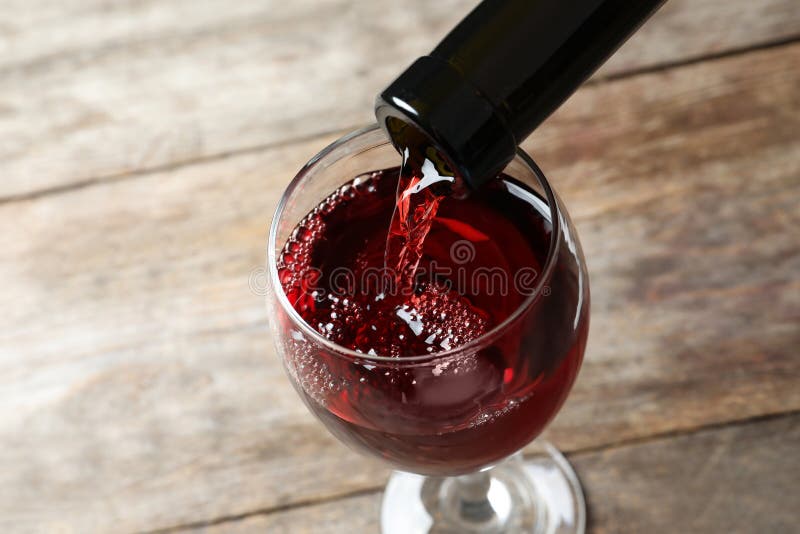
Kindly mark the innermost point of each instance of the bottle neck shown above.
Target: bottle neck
(502, 71)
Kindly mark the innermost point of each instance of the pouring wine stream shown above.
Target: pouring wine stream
(420, 190)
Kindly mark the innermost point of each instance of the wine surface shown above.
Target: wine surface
(446, 271)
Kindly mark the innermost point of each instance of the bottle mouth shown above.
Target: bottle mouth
(332, 151)
(432, 99)
(408, 137)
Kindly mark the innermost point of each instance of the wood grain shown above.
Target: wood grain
(91, 90)
(685, 200)
(738, 479)
(140, 390)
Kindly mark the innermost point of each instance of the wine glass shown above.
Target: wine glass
(453, 423)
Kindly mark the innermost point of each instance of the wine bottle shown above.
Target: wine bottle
(501, 72)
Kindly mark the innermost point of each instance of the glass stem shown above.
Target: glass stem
(473, 492)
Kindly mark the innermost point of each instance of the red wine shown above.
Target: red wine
(333, 270)
(463, 410)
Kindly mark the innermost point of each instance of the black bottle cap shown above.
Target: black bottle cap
(434, 99)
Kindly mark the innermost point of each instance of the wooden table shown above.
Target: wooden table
(144, 145)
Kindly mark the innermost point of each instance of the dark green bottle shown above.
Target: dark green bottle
(501, 72)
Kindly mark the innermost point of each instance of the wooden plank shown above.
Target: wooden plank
(95, 89)
(139, 388)
(350, 514)
(735, 479)
(688, 30)
(359, 514)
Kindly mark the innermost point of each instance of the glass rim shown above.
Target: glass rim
(479, 342)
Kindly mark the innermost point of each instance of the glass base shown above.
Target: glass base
(537, 494)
